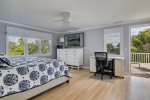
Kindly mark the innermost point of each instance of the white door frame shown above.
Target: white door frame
(130, 27)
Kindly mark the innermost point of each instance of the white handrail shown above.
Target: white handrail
(140, 57)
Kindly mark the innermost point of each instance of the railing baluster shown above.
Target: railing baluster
(134, 58)
(148, 58)
(145, 58)
(140, 57)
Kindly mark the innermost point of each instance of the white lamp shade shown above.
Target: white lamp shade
(61, 39)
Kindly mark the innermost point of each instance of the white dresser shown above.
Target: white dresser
(71, 56)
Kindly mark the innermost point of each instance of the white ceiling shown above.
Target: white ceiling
(85, 13)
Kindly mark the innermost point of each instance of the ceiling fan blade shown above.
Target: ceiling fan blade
(63, 20)
(66, 17)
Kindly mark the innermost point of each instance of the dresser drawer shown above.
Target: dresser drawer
(71, 56)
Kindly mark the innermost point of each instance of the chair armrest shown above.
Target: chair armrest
(110, 62)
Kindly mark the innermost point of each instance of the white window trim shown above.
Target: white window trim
(111, 30)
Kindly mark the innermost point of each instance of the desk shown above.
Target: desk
(118, 65)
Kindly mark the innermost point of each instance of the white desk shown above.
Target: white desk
(118, 64)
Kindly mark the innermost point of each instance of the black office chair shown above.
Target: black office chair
(103, 66)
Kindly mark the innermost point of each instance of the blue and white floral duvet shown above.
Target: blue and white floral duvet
(30, 72)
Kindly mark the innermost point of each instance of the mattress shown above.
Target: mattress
(30, 72)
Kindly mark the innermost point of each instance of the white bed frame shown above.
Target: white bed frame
(35, 91)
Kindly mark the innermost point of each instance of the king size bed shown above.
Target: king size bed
(27, 77)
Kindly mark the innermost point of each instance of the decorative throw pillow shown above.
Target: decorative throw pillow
(1, 62)
(5, 59)
(1, 55)
(4, 62)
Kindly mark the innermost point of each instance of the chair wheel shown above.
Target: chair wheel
(67, 81)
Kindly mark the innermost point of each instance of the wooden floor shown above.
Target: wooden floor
(84, 86)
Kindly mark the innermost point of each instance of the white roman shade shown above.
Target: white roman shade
(13, 31)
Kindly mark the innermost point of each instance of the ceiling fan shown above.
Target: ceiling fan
(66, 17)
(65, 21)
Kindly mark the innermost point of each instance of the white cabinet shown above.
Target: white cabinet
(92, 64)
(71, 56)
(119, 67)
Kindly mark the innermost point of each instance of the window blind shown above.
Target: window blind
(13, 31)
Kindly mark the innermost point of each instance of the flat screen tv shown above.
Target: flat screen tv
(74, 40)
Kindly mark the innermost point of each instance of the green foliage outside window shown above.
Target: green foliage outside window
(33, 47)
(45, 47)
(16, 46)
(111, 49)
(141, 43)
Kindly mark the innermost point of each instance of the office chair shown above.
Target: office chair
(103, 66)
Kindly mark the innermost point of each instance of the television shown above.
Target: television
(74, 40)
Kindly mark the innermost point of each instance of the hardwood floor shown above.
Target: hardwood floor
(84, 86)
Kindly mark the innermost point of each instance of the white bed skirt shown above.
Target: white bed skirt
(35, 91)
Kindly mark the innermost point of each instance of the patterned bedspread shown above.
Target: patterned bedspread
(30, 72)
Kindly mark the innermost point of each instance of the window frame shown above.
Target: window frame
(50, 45)
(113, 30)
(130, 27)
(7, 46)
(38, 48)
(26, 47)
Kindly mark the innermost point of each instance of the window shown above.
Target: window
(33, 46)
(18, 46)
(26, 42)
(45, 46)
(15, 46)
(113, 41)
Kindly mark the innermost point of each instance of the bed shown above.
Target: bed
(27, 77)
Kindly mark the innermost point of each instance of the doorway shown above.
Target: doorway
(140, 51)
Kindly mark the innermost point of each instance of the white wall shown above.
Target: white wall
(2, 38)
(93, 41)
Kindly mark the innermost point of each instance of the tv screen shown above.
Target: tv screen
(74, 40)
